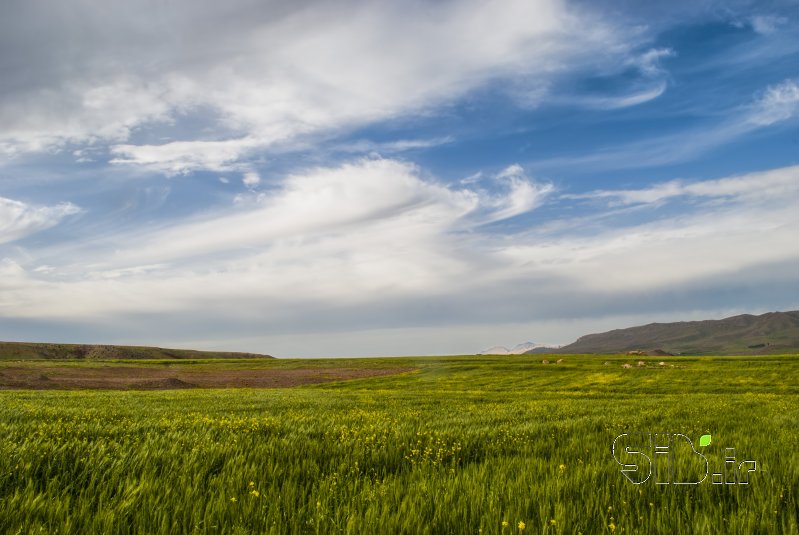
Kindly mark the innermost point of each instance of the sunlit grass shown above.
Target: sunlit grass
(461, 445)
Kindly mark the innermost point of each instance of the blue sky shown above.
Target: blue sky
(361, 178)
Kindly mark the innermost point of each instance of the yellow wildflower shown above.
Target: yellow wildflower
(521, 525)
(255, 493)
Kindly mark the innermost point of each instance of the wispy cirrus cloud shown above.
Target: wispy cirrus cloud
(774, 105)
(344, 235)
(321, 201)
(649, 82)
(777, 103)
(392, 147)
(182, 157)
(751, 187)
(519, 194)
(372, 241)
(767, 24)
(18, 219)
(269, 74)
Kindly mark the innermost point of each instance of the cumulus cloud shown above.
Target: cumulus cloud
(18, 219)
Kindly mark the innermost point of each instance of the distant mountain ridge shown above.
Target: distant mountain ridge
(518, 349)
(35, 351)
(773, 332)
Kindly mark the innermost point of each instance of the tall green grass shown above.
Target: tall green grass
(462, 445)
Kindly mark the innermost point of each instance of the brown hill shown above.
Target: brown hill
(774, 332)
(37, 351)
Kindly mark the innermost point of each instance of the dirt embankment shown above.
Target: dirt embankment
(138, 378)
(42, 351)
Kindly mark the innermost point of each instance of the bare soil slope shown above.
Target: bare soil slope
(37, 351)
(145, 378)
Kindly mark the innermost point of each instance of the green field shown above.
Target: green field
(461, 445)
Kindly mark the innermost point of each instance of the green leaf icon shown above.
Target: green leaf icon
(704, 440)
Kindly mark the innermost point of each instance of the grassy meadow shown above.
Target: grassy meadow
(460, 445)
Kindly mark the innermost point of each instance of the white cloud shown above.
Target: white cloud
(767, 24)
(649, 62)
(373, 227)
(725, 226)
(393, 147)
(373, 243)
(472, 179)
(181, 157)
(778, 103)
(333, 234)
(775, 104)
(275, 73)
(639, 95)
(324, 201)
(79, 111)
(18, 220)
(521, 194)
(511, 172)
(251, 179)
(772, 184)
(651, 82)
